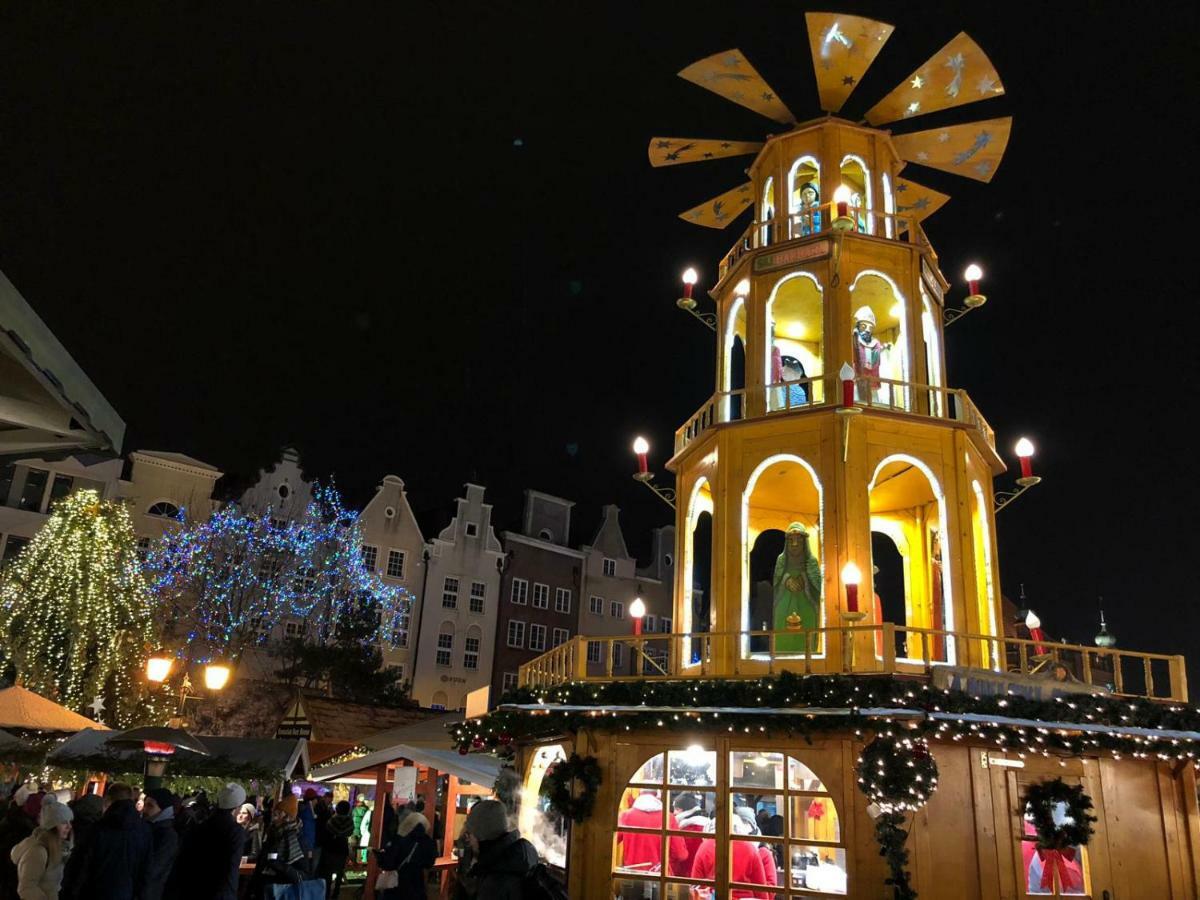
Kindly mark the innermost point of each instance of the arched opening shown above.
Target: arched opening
(782, 584)
(889, 207)
(985, 588)
(439, 700)
(697, 571)
(908, 525)
(783, 825)
(766, 214)
(804, 197)
(880, 341)
(164, 509)
(796, 336)
(733, 378)
(545, 827)
(933, 355)
(857, 177)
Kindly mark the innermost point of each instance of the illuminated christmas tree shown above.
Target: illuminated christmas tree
(75, 611)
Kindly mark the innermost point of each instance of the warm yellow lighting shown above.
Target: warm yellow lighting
(690, 277)
(1024, 448)
(216, 676)
(742, 288)
(973, 273)
(1032, 621)
(158, 668)
(851, 574)
(896, 311)
(637, 608)
(842, 194)
(641, 445)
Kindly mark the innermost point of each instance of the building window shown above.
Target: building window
(400, 629)
(596, 606)
(546, 534)
(445, 645)
(516, 633)
(35, 487)
(561, 636)
(60, 488)
(664, 625)
(509, 683)
(537, 637)
(593, 651)
(618, 653)
(616, 609)
(478, 595)
(471, 653)
(306, 580)
(370, 557)
(541, 596)
(649, 623)
(472, 529)
(811, 856)
(450, 593)
(162, 508)
(295, 629)
(395, 564)
(562, 600)
(609, 567)
(520, 591)
(143, 547)
(397, 670)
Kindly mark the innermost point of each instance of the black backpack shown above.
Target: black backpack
(540, 884)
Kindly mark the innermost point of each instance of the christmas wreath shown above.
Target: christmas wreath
(570, 785)
(1074, 828)
(898, 775)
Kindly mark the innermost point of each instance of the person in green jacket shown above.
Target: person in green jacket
(797, 591)
(361, 811)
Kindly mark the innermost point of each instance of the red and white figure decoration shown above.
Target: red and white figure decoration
(637, 611)
(642, 447)
(851, 577)
(1034, 624)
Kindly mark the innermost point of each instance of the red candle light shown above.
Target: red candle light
(841, 198)
(846, 373)
(689, 280)
(851, 577)
(637, 609)
(1025, 454)
(973, 276)
(641, 447)
(1034, 624)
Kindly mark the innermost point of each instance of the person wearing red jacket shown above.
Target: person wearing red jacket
(690, 816)
(643, 852)
(746, 865)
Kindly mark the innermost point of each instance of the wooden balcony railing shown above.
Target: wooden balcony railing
(865, 649)
(825, 390)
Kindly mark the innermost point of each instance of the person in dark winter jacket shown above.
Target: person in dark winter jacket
(87, 809)
(115, 859)
(207, 868)
(335, 848)
(411, 855)
(282, 859)
(503, 859)
(158, 808)
(16, 825)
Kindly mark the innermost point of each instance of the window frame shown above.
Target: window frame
(559, 637)
(541, 596)
(559, 605)
(596, 605)
(519, 597)
(520, 638)
(616, 609)
(394, 554)
(608, 567)
(537, 637)
(446, 648)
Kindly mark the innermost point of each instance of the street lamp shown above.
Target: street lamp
(1025, 452)
(216, 676)
(641, 447)
(637, 610)
(689, 282)
(973, 276)
(158, 668)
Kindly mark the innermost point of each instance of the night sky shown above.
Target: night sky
(424, 239)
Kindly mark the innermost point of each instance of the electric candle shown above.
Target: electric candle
(851, 576)
(846, 373)
(641, 447)
(689, 280)
(1025, 454)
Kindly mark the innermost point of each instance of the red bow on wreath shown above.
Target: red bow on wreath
(1070, 876)
(816, 810)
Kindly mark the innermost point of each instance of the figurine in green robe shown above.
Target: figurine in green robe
(797, 591)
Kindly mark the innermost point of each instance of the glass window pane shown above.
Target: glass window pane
(691, 811)
(629, 889)
(802, 778)
(755, 769)
(651, 771)
(817, 868)
(638, 852)
(693, 766)
(815, 819)
(641, 808)
(751, 862)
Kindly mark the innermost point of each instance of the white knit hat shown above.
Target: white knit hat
(488, 819)
(231, 796)
(54, 813)
(24, 792)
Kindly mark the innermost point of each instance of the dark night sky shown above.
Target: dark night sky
(256, 224)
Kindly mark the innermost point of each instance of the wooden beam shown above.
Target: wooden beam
(381, 792)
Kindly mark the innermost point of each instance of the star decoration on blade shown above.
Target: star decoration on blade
(918, 82)
(943, 137)
(912, 109)
(849, 79)
(987, 84)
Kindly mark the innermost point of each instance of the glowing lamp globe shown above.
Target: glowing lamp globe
(689, 281)
(641, 447)
(1024, 448)
(742, 288)
(690, 276)
(158, 668)
(216, 676)
(973, 273)
(973, 276)
(637, 608)
(841, 200)
(1025, 454)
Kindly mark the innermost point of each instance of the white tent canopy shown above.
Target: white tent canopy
(477, 768)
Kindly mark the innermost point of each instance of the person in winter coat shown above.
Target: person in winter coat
(39, 858)
(746, 868)
(207, 868)
(747, 815)
(158, 809)
(643, 852)
(411, 855)
(335, 848)
(16, 825)
(282, 859)
(307, 817)
(115, 859)
(87, 809)
(503, 859)
(689, 816)
(361, 814)
(248, 819)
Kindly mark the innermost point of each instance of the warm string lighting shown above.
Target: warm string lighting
(76, 615)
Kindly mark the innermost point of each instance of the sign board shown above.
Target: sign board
(404, 787)
(1056, 681)
(295, 724)
(790, 256)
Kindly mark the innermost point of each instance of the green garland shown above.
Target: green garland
(898, 774)
(1041, 800)
(571, 785)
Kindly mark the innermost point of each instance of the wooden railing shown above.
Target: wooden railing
(813, 222)
(866, 649)
(825, 390)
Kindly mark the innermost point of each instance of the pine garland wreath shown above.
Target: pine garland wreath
(1040, 802)
(570, 785)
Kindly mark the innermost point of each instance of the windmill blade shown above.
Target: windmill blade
(843, 48)
(916, 201)
(731, 75)
(958, 73)
(676, 151)
(720, 211)
(972, 150)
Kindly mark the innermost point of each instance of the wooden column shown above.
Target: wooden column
(381, 791)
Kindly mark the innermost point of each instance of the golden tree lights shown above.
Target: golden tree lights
(75, 612)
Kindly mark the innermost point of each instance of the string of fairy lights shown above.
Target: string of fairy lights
(235, 576)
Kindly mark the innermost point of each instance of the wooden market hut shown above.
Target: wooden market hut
(333, 726)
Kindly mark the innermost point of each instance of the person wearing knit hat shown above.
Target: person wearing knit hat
(158, 808)
(211, 855)
(21, 794)
(231, 796)
(39, 858)
(250, 822)
(503, 859)
(282, 859)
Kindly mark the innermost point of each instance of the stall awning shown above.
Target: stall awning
(22, 708)
(428, 733)
(477, 768)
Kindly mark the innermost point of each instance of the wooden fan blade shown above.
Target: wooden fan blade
(958, 73)
(731, 75)
(843, 48)
(916, 201)
(972, 150)
(676, 151)
(720, 211)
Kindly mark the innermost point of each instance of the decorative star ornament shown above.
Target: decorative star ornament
(97, 707)
(918, 82)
